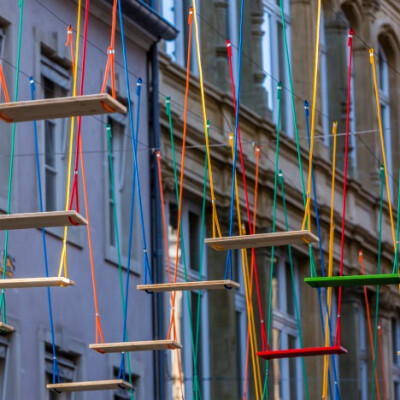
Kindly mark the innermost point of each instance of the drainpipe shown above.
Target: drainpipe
(157, 246)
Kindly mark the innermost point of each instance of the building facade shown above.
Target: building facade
(223, 339)
(26, 357)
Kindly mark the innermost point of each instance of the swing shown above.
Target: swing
(4, 328)
(304, 352)
(62, 107)
(262, 240)
(41, 220)
(353, 280)
(148, 345)
(20, 283)
(198, 285)
(112, 384)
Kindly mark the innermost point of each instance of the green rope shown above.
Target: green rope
(381, 175)
(296, 306)
(14, 127)
(396, 254)
(194, 339)
(278, 129)
(114, 206)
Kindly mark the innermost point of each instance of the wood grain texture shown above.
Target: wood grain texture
(40, 220)
(34, 283)
(60, 107)
(112, 384)
(149, 345)
(180, 286)
(261, 240)
(4, 328)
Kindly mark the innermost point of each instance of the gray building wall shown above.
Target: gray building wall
(45, 23)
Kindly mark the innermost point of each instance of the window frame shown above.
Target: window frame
(111, 254)
(6, 359)
(270, 26)
(286, 325)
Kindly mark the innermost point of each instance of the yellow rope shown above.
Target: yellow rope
(330, 263)
(378, 109)
(307, 214)
(249, 304)
(63, 257)
(216, 227)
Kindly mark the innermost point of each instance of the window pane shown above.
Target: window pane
(239, 360)
(289, 291)
(51, 187)
(276, 366)
(50, 147)
(194, 241)
(172, 231)
(293, 362)
(197, 334)
(275, 288)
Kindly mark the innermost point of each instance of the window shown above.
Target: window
(122, 159)
(4, 367)
(384, 97)
(363, 353)
(324, 84)
(2, 43)
(240, 321)
(395, 357)
(286, 382)
(188, 303)
(274, 61)
(232, 28)
(177, 12)
(55, 81)
(67, 367)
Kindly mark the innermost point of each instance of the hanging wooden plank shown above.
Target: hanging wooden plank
(34, 283)
(180, 286)
(354, 280)
(305, 352)
(60, 107)
(261, 240)
(40, 220)
(112, 384)
(5, 328)
(150, 345)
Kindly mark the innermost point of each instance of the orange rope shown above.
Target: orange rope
(99, 330)
(371, 337)
(173, 294)
(70, 43)
(111, 55)
(251, 270)
(3, 84)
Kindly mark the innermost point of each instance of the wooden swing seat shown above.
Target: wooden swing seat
(305, 352)
(150, 345)
(5, 328)
(22, 283)
(46, 219)
(61, 107)
(112, 384)
(261, 240)
(180, 286)
(354, 280)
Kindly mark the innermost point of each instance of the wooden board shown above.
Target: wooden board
(261, 240)
(34, 283)
(60, 107)
(40, 220)
(112, 384)
(200, 285)
(4, 328)
(354, 280)
(150, 345)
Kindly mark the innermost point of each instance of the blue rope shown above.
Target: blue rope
(56, 375)
(321, 253)
(135, 177)
(228, 267)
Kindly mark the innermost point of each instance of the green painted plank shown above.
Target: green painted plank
(354, 280)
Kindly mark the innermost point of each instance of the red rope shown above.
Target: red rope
(346, 150)
(264, 343)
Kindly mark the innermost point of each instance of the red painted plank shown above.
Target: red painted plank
(306, 352)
